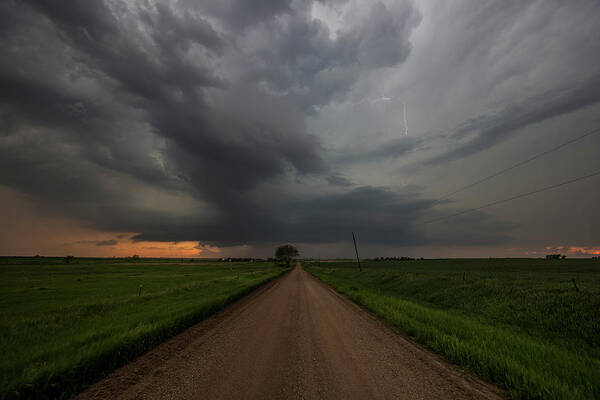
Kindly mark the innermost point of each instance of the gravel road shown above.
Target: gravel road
(294, 338)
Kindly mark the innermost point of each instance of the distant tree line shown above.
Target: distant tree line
(396, 259)
(555, 257)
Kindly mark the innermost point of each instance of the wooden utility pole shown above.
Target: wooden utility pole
(356, 249)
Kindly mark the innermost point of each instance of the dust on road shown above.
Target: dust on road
(295, 338)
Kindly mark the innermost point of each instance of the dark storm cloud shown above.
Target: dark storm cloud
(339, 180)
(391, 149)
(294, 55)
(486, 131)
(157, 79)
(188, 122)
(381, 215)
(241, 14)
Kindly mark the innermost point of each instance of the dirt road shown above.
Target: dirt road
(295, 338)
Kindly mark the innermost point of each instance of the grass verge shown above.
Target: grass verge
(504, 321)
(66, 326)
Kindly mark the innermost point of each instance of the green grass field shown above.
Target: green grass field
(519, 323)
(63, 326)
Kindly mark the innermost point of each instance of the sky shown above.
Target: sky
(195, 128)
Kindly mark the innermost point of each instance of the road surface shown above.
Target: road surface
(294, 338)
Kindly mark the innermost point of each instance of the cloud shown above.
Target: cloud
(393, 148)
(240, 15)
(108, 105)
(338, 180)
(205, 248)
(110, 242)
(577, 250)
(383, 36)
(585, 250)
(381, 215)
(127, 100)
(481, 133)
(194, 120)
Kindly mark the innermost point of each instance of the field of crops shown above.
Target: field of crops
(64, 325)
(530, 326)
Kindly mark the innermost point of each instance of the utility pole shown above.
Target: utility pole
(356, 249)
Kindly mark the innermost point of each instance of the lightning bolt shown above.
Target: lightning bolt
(405, 121)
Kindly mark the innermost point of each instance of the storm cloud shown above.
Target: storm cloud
(235, 122)
(488, 130)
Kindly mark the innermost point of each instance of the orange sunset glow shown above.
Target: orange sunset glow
(145, 249)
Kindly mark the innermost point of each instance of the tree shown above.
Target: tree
(285, 253)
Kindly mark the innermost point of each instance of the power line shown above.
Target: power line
(514, 197)
(495, 174)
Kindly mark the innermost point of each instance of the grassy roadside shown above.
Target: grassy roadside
(518, 323)
(64, 326)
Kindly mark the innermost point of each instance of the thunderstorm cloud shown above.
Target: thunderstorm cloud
(236, 123)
